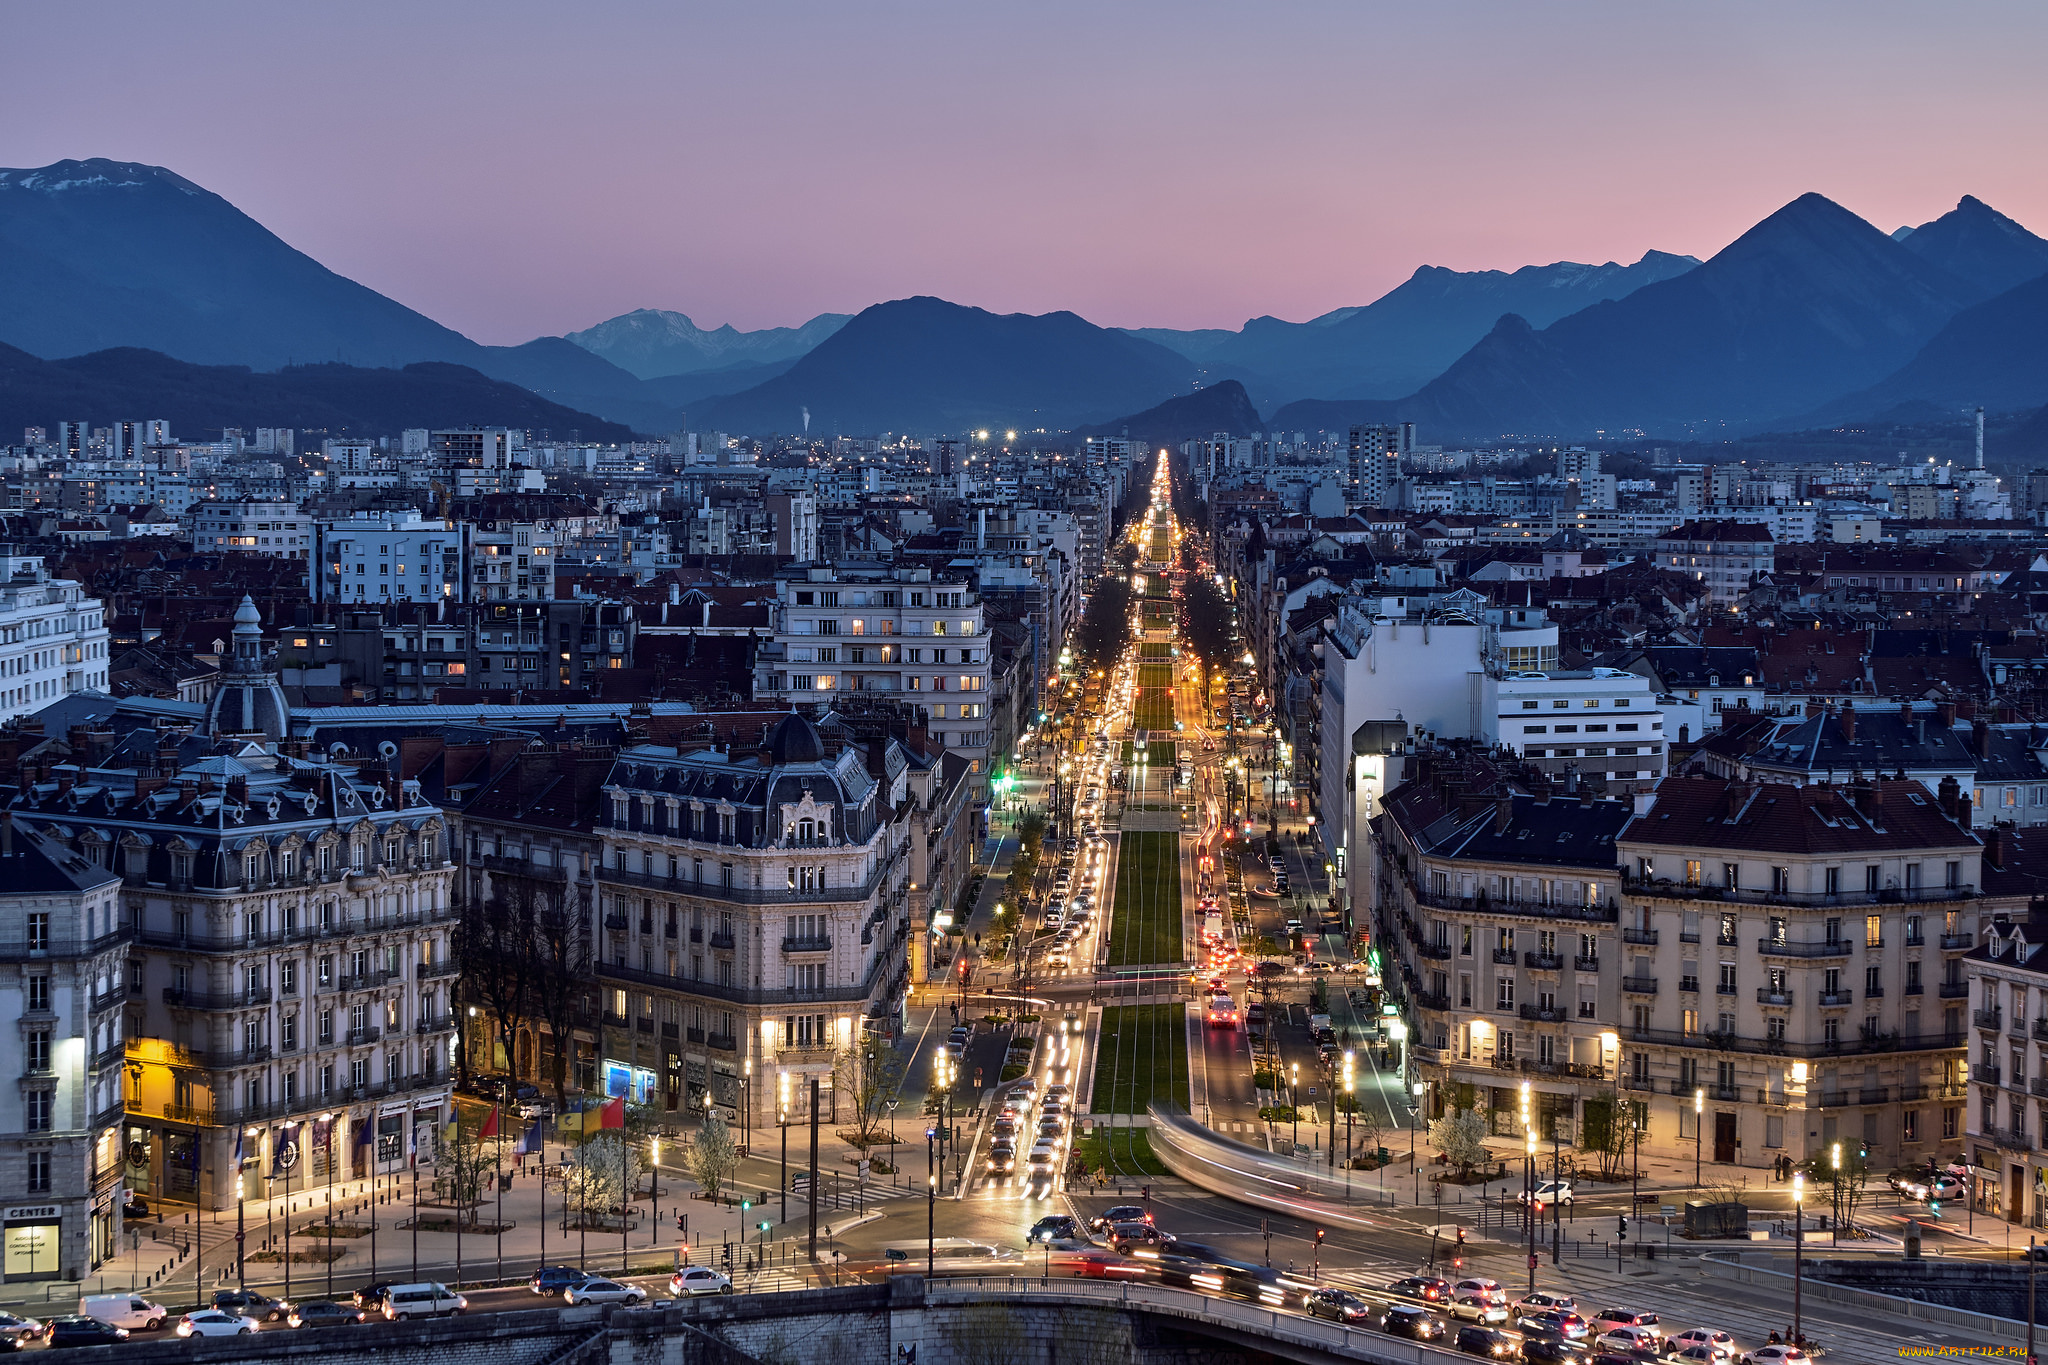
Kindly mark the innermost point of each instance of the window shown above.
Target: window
(38, 1172)
(1873, 931)
(36, 1111)
(38, 992)
(1504, 990)
(39, 931)
(1528, 706)
(1692, 872)
(36, 1050)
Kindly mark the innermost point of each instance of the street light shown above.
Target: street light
(1798, 1245)
(1530, 1139)
(1294, 1103)
(1699, 1111)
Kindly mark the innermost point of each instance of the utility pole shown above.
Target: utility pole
(814, 1169)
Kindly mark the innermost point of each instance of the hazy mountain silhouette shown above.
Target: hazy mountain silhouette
(340, 399)
(1223, 407)
(923, 364)
(1412, 333)
(653, 343)
(1980, 246)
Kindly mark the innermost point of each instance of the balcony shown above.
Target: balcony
(1663, 887)
(1642, 1083)
(1433, 952)
(1689, 983)
(1543, 962)
(1585, 962)
(820, 943)
(615, 923)
(1778, 947)
(1768, 995)
(1994, 1020)
(365, 981)
(207, 1000)
(1836, 999)
(248, 1056)
(1639, 985)
(1873, 992)
(1646, 937)
(724, 1042)
(1958, 943)
(2038, 1086)
(357, 1037)
(723, 940)
(2041, 1029)
(445, 967)
(2011, 1139)
(1954, 990)
(1504, 956)
(1987, 1074)
(1542, 1014)
(1423, 1000)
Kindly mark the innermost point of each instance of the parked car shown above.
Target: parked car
(325, 1313)
(695, 1280)
(211, 1322)
(603, 1291)
(136, 1207)
(77, 1329)
(553, 1279)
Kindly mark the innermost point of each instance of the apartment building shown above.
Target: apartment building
(1502, 910)
(753, 917)
(276, 529)
(1599, 722)
(855, 627)
(1793, 965)
(393, 557)
(53, 638)
(66, 944)
(289, 989)
(1725, 556)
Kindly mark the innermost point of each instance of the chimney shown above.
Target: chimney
(1946, 713)
(6, 834)
(1503, 813)
(1949, 796)
(66, 775)
(238, 790)
(1994, 847)
(1980, 738)
(1586, 797)
(1848, 722)
(1906, 712)
(188, 792)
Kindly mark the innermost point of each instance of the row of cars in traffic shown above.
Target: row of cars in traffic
(1473, 1315)
(1042, 1121)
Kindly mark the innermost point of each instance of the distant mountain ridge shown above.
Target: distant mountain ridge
(342, 399)
(1410, 334)
(1811, 303)
(1223, 407)
(924, 364)
(653, 343)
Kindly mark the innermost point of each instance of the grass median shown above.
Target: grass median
(1145, 927)
(1141, 1056)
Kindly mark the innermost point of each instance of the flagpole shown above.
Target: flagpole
(498, 1175)
(457, 1184)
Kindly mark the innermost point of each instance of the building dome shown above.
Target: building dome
(249, 702)
(795, 740)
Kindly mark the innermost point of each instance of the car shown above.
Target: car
(1480, 1285)
(251, 1304)
(1412, 1321)
(19, 1327)
(1697, 1355)
(1426, 1288)
(1119, 1213)
(603, 1291)
(553, 1279)
(1609, 1318)
(1569, 1326)
(695, 1280)
(1704, 1338)
(422, 1299)
(1488, 1343)
(76, 1329)
(1054, 1227)
(1628, 1340)
(124, 1310)
(134, 1207)
(1026, 1086)
(1058, 1092)
(374, 1295)
(1547, 1192)
(1476, 1308)
(212, 1322)
(1545, 1301)
(1097, 1265)
(1338, 1305)
(1124, 1235)
(1775, 1355)
(325, 1313)
(1002, 1158)
(1550, 1351)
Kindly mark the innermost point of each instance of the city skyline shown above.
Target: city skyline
(1145, 168)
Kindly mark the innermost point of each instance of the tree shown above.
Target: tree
(493, 941)
(560, 941)
(1461, 1137)
(712, 1155)
(471, 1162)
(1845, 1182)
(606, 1171)
(1607, 1133)
(871, 1075)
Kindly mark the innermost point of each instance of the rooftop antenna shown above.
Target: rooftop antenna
(1980, 436)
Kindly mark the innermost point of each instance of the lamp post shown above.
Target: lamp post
(782, 1121)
(1294, 1103)
(1350, 1109)
(1415, 1127)
(1699, 1114)
(1835, 1195)
(1798, 1245)
(931, 1199)
(1530, 1139)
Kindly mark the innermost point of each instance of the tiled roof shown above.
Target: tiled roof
(1705, 812)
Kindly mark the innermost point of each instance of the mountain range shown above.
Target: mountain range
(1812, 315)
(1223, 407)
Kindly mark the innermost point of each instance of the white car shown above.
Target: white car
(698, 1279)
(1627, 1339)
(19, 1326)
(1776, 1355)
(1549, 1192)
(1546, 1301)
(1487, 1289)
(211, 1322)
(1720, 1343)
(603, 1291)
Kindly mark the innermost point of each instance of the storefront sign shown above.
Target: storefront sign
(32, 1213)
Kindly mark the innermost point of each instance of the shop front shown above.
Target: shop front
(33, 1237)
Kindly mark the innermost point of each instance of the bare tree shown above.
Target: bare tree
(712, 1155)
(493, 941)
(871, 1075)
(561, 954)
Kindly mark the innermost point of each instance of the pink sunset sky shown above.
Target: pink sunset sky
(520, 169)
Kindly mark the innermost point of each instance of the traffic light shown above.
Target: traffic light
(1934, 1207)
(1622, 1220)
(1319, 1236)
(763, 1225)
(746, 1204)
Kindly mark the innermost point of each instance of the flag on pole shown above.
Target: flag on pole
(490, 1128)
(613, 1115)
(529, 1141)
(238, 1147)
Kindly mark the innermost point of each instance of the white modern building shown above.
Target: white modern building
(1600, 722)
(53, 638)
(276, 529)
(396, 557)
